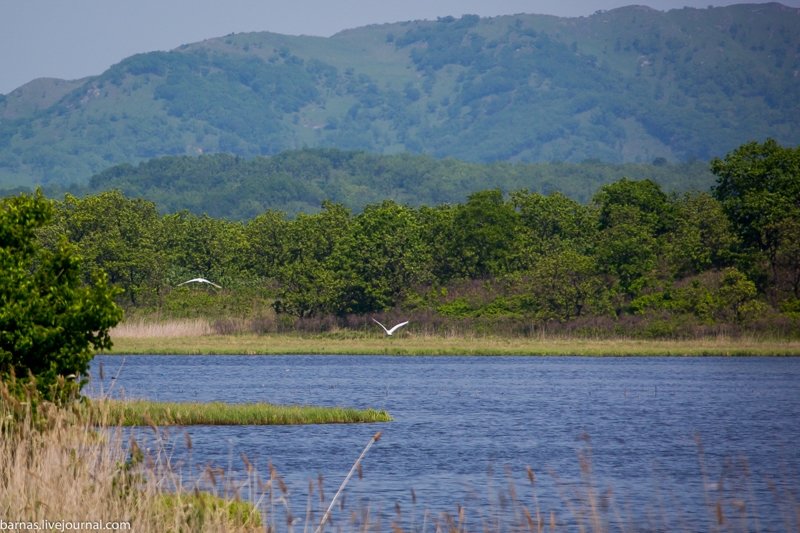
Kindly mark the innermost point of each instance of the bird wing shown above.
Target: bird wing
(199, 280)
(381, 325)
(398, 326)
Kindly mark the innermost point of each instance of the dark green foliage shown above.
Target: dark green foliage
(50, 321)
(381, 259)
(299, 181)
(632, 216)
(483, 236)
(703, 237)
(563, 285)
(308, 283)
(644, 198)
(117, 236)
(758, 186)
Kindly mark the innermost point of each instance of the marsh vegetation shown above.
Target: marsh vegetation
(152, 413)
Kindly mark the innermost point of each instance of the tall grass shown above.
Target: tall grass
(137, 329)
(149, 413)
(56, 466)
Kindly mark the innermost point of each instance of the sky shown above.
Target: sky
(71, 39)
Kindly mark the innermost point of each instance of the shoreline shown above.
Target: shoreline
(415, 345)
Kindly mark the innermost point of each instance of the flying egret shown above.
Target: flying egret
(200, 280)
(393, 329)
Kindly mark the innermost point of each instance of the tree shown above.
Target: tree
(118, 236)
(759, 188)
(205, 246)
(552, 222)
(50, 322)
(266, 237)
(565, 284)
(633, 218)
(645, 196)
(307, 284)
(627, 250)
(703, 237)
(381, 259)
(484, 235)
(737, 295)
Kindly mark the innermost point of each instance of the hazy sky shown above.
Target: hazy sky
(71, 39)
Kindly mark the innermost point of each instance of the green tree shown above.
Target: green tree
(50, 321)
(484, 235)
(267, 237)
(565, 284)
(737, 296)
(551, 223)
(633, 217)
(437, 232)
(119, 236)
(645, 196)
(307, 284)
(382, 258)
(627, 250)
(204, 246)
(759, 188)
(703, 237)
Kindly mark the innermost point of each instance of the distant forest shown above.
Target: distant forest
(298, 181)
(633, 260)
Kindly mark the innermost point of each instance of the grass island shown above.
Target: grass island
(151, 413)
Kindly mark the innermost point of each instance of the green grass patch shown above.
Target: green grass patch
(151, 413)
(198, 510)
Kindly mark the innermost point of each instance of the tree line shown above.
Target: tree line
(633, 254)
(298, 181)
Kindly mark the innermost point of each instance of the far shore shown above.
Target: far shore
(405, 343)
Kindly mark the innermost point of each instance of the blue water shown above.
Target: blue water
(662, 441)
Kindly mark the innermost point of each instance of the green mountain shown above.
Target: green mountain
(627, 85)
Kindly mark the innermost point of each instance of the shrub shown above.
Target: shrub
(50, 322)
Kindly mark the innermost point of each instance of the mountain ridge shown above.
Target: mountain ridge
(631, 84)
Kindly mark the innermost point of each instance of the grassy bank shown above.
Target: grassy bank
(411, 344)
(149, 413)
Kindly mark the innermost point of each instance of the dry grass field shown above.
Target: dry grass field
(198, 337)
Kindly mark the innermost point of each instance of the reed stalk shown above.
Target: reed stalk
(356, 465)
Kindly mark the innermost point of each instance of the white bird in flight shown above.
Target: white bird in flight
(200, 280)
(393, 329)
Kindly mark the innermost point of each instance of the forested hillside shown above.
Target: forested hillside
(632, 260)
(628, 85)
(222, 185)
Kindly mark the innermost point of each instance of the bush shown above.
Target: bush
(50, 323)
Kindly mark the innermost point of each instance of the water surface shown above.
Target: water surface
(668, 436)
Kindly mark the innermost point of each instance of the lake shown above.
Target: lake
(661, 444)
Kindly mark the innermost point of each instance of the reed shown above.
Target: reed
(144, 329)
(57, 472)
(151, 413)
(410, 343)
